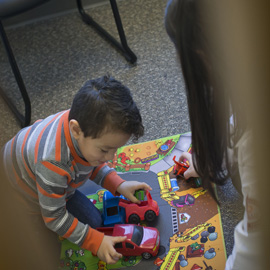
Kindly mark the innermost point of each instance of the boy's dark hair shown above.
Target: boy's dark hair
(210, 106)
(105, 104)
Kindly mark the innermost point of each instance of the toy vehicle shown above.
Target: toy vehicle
(187, 199)
(112, 212)
(140, 241)
(119, 210)
(179, 167)
(146, 210)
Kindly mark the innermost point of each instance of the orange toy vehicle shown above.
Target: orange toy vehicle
(179, 167)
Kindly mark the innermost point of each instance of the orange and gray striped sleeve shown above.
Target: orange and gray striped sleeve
(59, 172)
(107, 178)
(44, 163)
(52, 193)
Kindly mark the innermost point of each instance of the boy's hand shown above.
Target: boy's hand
(190, 172)
(106, 251)
(128, 188)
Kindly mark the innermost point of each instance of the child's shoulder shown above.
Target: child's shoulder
(45, 135)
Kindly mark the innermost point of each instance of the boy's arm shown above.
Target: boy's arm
(107, 177)
(52, 181)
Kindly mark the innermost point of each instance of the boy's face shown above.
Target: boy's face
(99, 150)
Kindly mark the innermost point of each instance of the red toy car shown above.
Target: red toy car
(180, 167)
(140, 241)
(146, 210)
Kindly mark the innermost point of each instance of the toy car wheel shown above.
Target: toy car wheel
(134, 219)
(146, 255)
(150, 215)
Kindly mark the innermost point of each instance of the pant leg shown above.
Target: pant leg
(84, 210)
(26, 243)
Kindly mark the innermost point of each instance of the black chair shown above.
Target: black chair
(10, 8)
(123, 46)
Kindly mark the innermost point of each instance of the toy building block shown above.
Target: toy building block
(139, 194)
(140, 241)
(174, 184)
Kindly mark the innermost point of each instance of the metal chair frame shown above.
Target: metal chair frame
(23, 120)
(122, 46)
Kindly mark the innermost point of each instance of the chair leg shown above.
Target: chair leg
(123, 46)
(23, 120)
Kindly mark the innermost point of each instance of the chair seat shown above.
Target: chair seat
(9, 8)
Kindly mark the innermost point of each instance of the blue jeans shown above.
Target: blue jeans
(84, 210)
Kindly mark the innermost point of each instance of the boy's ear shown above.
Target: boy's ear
(75, 128)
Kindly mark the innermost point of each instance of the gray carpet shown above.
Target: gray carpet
(56, 56)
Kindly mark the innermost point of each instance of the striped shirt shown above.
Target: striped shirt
(43, 162)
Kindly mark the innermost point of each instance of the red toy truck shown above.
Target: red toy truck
(146, 210)
(140, 241)
(179, 167)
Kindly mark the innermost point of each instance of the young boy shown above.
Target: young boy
(47, 162)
